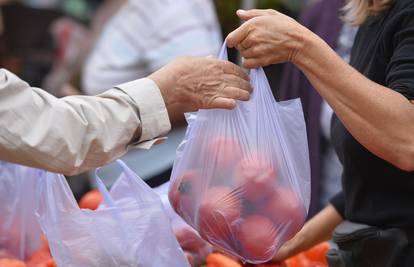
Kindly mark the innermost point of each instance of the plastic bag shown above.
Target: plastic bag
(241, 178)
(130, 227)
(20, 233)
(195, 248)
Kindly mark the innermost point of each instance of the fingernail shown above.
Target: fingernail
(241, 10)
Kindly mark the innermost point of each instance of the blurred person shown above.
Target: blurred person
(372, 129)
(77, 133)
(73, 41)
(323, 18)
(145, 35)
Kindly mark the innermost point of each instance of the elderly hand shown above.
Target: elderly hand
(202, 83)
(267, 37)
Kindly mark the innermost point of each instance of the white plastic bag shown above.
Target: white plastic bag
(195, 248)
(20, 232)
(241, 178)
(130, 228)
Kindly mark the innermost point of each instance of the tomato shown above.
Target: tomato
(296, 261)
(189, 240)
(183, 193)
(257, 236)
(91, 200)
(268, 265)
(5, 254)
(11, 263)
(219, 209)
(318, 253)
(284, 208)
(255, 177)
(51, 263)
(221, 260)
(224, 152)
(39, 258)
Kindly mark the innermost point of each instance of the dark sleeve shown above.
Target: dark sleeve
(338, 201)
(400, 70)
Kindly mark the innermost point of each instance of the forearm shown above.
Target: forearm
(315, 231)
(319, 228)
(72, 134)
(378, 117)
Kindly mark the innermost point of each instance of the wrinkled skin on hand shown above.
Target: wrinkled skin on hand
(267, 37)
(202, 83)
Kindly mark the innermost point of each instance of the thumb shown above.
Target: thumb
(252, 13)
(237, 36)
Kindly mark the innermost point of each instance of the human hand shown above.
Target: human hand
(267, 37)
(202, 83)
(318, 229)
(290, 248)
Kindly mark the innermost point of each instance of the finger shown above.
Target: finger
(234, 81)
(236, 93)
(245, 44)
(233, 69)
(252, 52)
(252, 63)
(238, 35)
(222, 102)
(252, 13)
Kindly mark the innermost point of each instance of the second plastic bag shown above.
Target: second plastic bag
(242, 177)
(20, 233)
(130, 228)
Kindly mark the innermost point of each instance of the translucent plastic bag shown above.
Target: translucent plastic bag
(195, 248)
(20, 232)
(130, 228)
(241, 178)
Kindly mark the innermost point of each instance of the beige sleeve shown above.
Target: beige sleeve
(77, 133)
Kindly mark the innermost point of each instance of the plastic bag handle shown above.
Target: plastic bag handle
(110, 202)
(223, 51)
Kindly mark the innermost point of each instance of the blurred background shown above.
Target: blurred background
(71, 47)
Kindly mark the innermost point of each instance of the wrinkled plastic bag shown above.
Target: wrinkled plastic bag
(195, 248)
(241, 178)
(130, 227)
(20, 233)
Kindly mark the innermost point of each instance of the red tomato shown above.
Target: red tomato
(255, 177)
(318, 253)
(5, 254)
(189, 239)
(183, 193)
(268, 265)
(257, 236)
(91, 200)
(284, 208)
(11, 263)
(219, 209)
(51, 263)
(295, 261)
(224, 152)
(39, 258)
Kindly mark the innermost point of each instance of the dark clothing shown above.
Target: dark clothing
(374, 191)
(361, 245)
(323, 19)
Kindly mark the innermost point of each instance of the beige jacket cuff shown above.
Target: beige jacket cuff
(152, 111)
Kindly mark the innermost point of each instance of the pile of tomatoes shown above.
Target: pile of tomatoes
(39, 258)
(245, 208)
(42, 256)
(314, 257)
